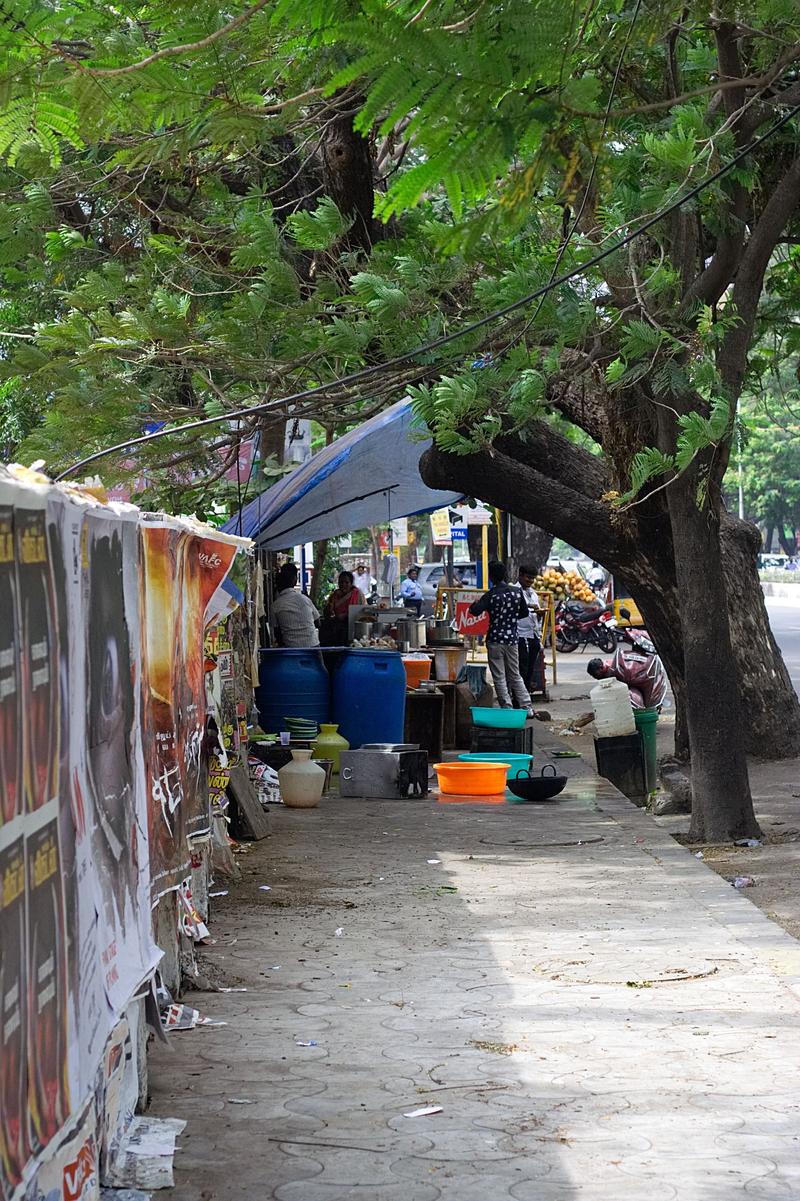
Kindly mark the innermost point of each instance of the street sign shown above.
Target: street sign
(459, 533)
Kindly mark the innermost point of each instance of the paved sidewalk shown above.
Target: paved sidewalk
(600, 1016)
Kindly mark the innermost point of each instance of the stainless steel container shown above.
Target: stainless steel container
(365, 629)
(383, 775)
(438, 630)
(412, 631)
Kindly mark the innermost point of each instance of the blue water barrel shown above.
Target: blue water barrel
(369, 697)
(292, 682)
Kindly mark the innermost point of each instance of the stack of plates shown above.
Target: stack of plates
(302, 729)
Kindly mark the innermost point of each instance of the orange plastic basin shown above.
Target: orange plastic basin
(417, 670)
(477, 779)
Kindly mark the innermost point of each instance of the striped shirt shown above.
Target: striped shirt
(294, 615)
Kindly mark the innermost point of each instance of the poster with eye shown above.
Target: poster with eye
(161, 666)
(204, 564)
(111, 759)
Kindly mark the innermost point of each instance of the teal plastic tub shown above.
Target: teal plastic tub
(499, 719)
(517, 763)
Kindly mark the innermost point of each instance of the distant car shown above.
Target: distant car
(431, 575)
(582, 566)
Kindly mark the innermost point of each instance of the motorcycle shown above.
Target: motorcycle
(579, 625)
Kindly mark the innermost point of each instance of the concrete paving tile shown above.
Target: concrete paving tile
(608, 1087)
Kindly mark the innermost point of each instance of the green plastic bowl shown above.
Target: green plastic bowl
(517, 763)
(499, 719)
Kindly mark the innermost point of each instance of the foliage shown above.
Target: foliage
(174, 242)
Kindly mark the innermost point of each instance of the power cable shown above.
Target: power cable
(367, 372)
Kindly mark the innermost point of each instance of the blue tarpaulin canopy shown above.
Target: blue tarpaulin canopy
(367, 477)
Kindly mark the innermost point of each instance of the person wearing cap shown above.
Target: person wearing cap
(410, 590)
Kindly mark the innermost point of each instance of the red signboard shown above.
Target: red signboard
(475, 627)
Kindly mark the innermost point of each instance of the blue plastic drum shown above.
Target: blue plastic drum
(369, 697)
(292, 682)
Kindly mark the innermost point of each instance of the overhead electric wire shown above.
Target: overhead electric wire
(367, 372)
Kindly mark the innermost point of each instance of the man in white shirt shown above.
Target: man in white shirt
(529, 629)
(294, 615)
(363, 581)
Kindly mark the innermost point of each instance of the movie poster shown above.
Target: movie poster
(48, 1024)
(14, 1148)
(70, 1171)
(161, 666)
(110, 769)
(11, 803)
(205, 563)
(37, 650)
(88, 1013)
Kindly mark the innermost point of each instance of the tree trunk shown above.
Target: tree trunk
(722, 807)
(317, 579)
(770, 708)
(558, 487)
(530, 545)
(348, 175)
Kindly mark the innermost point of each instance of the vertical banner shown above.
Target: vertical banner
(89, 1015)
(10, 698)
(110, 768)
(169, 852)
(47, 972)
(13, 947)
(205, 563)
(14, 1148)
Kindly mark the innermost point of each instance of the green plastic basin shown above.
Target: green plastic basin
(517, 763)
(499, 719)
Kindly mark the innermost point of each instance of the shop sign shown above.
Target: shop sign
(474, 627)
(440, 527)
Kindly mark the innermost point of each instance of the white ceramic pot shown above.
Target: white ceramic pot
(301, 781)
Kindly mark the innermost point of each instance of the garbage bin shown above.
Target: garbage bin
(646, 720)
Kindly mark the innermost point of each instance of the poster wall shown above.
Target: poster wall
(96, 721)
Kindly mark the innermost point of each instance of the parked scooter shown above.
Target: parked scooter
(579, 625)
(639, 639)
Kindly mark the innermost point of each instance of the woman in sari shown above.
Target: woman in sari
(337, 608)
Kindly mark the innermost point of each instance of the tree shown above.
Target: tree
(188, 197)
(770, 459)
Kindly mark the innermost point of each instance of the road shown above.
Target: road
(784, 616)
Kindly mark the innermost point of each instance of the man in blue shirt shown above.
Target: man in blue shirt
(410, 590)
(505, 605)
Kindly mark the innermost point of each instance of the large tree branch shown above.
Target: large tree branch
(545, 479)
(750, 276)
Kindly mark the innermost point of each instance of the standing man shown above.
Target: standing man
(363, 580)
(294, 614)
(410, 591)
(529, 631)
(505, 605)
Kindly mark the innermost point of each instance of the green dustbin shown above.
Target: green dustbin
(646, 725)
